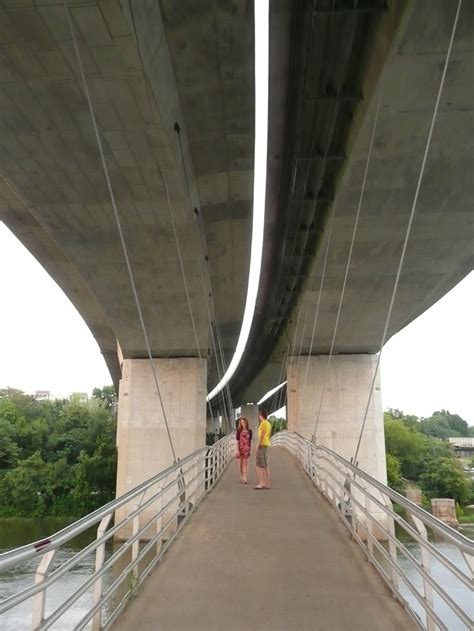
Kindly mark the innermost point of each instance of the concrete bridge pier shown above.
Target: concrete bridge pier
(344, 391)
(250, 412)
(142, 439)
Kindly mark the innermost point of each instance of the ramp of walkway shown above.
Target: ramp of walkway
(271, 560)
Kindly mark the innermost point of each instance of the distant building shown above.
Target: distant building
(79, 397)
(42, 395)
(463, 446)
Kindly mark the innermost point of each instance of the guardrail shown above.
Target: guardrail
(155, 512)
(417, 571)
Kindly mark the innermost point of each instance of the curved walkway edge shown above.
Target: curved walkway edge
(272, 560)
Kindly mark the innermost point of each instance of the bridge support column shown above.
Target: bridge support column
(346, 391)
(250, 412)
(142, 440)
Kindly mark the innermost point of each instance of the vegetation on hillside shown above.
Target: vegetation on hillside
(59, 457)
(417, 451)
(56, 457)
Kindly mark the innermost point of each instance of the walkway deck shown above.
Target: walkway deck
(273, 560)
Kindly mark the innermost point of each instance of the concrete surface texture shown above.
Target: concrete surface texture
(250, 412)
(339, 393)
(273, 560)
(439, 252)
(53, 193)
(142, 439)
(151, 64)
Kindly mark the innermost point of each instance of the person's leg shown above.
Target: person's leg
(241, 468)
(245, 469)
(266, 471)
(257, 469)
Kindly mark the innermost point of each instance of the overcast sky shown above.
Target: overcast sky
(45, 345)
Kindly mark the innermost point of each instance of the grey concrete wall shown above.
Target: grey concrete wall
(142, 440)
(250, 411)
(346, 389)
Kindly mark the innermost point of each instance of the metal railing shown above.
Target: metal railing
(146, 520)
(433, 582)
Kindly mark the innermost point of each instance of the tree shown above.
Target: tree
(394, 475)
(444, 477)
(9, 450)
(95, 477)
(106, 394)
(410, 420)
(277, 424)
(56, 457)
(409, 447)
(443, 424)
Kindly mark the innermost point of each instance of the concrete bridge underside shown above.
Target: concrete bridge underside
(172, 89)
(150, 66)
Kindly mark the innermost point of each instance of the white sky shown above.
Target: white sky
(45, 345)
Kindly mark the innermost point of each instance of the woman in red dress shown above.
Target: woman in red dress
(243, 448)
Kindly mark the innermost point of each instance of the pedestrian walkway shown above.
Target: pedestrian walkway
(271, 560)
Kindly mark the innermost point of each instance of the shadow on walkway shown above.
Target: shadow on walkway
(272, 560)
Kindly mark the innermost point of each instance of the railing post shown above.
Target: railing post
(136, 544)
(214, 467)
(369, 525)
(392, 548)
(426, 564)
(99, 562)
(39, 600)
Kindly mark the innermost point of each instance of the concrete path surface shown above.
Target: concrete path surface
(272, 560)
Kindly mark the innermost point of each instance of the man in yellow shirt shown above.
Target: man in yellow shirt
(263, 469)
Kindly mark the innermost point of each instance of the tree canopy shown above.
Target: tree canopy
(417, 450)
(56, 457)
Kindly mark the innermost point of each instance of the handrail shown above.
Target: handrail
(449, 533)
(156, 510)
(30, 550)
(365, 507)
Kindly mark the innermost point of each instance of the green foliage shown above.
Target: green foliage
(394, 475)
(443, 424)
(56, 457)
(466, 519)
(107, 395)
(444, 477)
(408, 445)
(277, 424)
(423, 456)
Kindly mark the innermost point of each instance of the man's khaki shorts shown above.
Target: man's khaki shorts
(262, 456)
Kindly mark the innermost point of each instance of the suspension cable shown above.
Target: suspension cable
(207, 290)
(151, 99)
(176, 237)
(326, 151)
(316, 315)
(409, 225)
(117, 220)
(306, 177)
(349, 258)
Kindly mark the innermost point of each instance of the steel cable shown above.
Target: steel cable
(349, 257)
(409, 225)
(118, 222)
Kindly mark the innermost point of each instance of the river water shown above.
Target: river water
(14, 533)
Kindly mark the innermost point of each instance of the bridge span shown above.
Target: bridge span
(326, 547)
(272, 560)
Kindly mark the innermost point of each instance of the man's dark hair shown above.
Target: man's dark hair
(264, 413)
